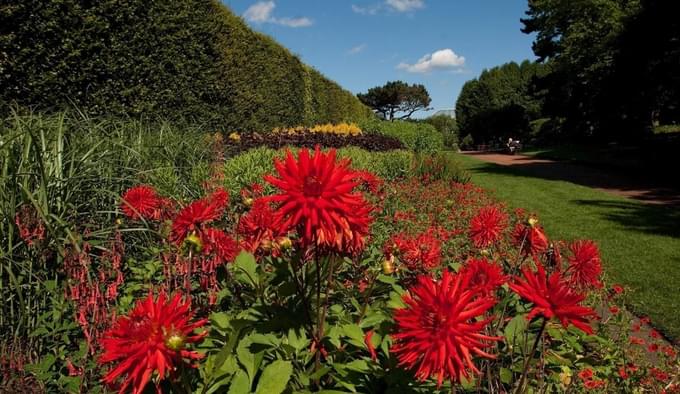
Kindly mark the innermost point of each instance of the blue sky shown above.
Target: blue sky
(365, 43)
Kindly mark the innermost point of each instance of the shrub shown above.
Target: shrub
(448, 127)
(467, 143)
(418, 137)
(173, 59)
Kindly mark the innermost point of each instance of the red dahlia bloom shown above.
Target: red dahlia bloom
(535, 241)
(141, 202)
(439, 331)
(259, 226)
(219, 244)
(150, 340)
(553, 297)
(585, 266)
(317, 198)
(487, 226)
(423, 252)
(484, 277)
(198, 213)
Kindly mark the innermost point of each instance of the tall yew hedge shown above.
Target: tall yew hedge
(175, 59)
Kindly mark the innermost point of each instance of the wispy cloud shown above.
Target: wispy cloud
(405, 5)
(443, 59)
(369, 10)
(261, 12)
(357, 49)
(390, 5)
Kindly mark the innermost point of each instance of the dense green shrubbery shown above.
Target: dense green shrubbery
(419, 137)
(173, 59)
(249, 167)
(448, 127)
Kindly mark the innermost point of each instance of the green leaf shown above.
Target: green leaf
(506, 375)
(514, 331)
(395, 302)
(240, 383)
(358, 366)
(251, 362)
(245, 269)
(221, 320)
(355, 334)
(297, 341)
(275, 378)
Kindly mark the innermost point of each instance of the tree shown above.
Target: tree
(579, 40)
(396, 97)
(501, 103)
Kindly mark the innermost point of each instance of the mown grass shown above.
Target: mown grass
(640, 243)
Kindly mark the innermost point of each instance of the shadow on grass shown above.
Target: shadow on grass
(639, 217)
(638, 188)
(660, 218)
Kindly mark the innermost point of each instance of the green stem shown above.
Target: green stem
(525, 371)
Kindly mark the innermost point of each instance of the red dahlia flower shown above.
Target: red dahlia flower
(439, 330)
(317, 198)
(487, 226)
(585, 266)
(150, 340)
(423, 252)
(260, 226)
(553, 297)
(484, 276)
(141, 202)
(198, 213)
(535, 241)
(219, 244)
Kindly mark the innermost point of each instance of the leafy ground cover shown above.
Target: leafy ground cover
(639, 242)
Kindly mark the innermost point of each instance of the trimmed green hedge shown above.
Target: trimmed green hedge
(173, 59)
(418, 137)
(249, 167)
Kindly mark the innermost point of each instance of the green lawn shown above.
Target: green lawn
(640, 243)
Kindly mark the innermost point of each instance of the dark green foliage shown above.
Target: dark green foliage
(396, 97)
(614, 64)
(501, 103)
(371, 142)
(416, 136)
(447, 126)
(175, 59)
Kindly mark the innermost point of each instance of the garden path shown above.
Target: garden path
(607, 181)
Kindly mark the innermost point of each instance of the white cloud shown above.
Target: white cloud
(261, 12)
(357, 49)
(370, 10)
(443, 59)
(391, 5)
(294, 22)
(405, 5)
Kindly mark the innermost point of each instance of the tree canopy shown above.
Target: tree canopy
(500, 103)
(614, 63)
(396, 99)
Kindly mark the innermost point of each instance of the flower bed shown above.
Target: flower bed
(329, 136)
(339, 280)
